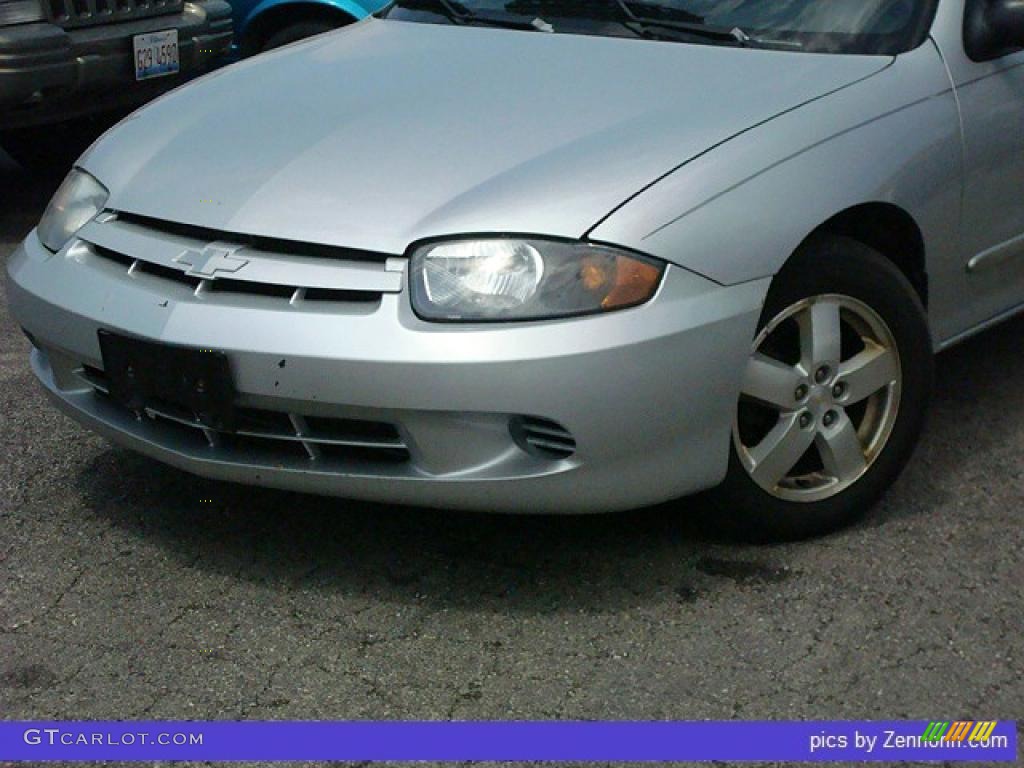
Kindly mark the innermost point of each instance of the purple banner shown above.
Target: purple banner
(818, 741)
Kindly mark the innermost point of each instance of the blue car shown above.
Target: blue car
(264, 24)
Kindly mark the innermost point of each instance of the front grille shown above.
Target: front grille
(84, 13)
(542, 438)
(262, 435)
(171, 258)
(138, 266)
(257, 242)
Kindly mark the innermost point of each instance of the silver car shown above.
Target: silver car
(549, 256)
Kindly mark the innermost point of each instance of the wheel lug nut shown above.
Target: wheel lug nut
(805, 420)
(822, 374)
(839, 389)
(831, 417)
(801, 392)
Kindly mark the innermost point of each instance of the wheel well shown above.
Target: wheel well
(892, 232)
(260, 29)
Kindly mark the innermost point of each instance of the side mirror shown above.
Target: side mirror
(993, 28)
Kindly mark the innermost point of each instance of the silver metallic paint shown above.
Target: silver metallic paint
(737, 213)
(388, 132)
(451, 389)
(991, 98)
(719, 160)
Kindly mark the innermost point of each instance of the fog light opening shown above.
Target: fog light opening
(542, 438)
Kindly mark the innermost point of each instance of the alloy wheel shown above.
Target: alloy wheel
(819, 398)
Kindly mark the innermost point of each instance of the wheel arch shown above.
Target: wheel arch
(272, 15)
(880, 161)
(891, 231)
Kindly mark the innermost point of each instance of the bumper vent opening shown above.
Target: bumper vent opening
(167, 273)
(95, 378)
(251, 289)
(123, 259)
(339, 295)
(542, 438)
(261, 435)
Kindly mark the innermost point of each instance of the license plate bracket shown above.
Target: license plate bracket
(185, 381)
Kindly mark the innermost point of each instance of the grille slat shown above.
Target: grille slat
(283, 279)
(323, 441)
(542, 430)
(276, 433)
(166, 273)
(84, 13)
(257, 242)
(550, 445)
(542, 437)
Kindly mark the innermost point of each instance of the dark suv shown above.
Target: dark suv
(62, 60)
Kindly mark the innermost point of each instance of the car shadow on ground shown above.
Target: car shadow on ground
(526, 562)
(408, 554)
(265, 535)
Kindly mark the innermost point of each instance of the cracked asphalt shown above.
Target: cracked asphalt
(124, 595)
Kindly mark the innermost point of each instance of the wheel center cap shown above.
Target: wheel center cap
(819, 401)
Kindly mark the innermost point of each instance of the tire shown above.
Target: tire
(298, 31)
(831, 282)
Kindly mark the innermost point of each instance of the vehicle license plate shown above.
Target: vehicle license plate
(193, 384)
(156, 54)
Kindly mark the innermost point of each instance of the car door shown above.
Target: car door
(991, 97)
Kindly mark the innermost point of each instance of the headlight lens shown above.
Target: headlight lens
(79, 198)
(519, 279)
(20, 11)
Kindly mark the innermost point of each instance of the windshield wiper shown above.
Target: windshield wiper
(459, 14)
(678, 14)
(684, 22)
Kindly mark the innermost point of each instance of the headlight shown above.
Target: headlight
(518, 279)
(79, 198)
(20, 11)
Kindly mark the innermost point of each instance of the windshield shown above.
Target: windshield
(833, 26)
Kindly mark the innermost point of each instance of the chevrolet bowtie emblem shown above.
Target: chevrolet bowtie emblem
(214, 258)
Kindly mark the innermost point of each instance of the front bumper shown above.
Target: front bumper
(49, 73)
(648, 394)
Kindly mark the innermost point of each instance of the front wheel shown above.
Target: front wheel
(299, 30)
(833, 398)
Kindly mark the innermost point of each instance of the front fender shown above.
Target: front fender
(357, 9)
(739, 211)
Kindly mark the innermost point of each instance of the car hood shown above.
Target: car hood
(388, 132)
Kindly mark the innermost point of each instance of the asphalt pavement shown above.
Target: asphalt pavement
(132, 590)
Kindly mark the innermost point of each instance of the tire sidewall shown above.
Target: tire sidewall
(836, 265)
(297, 31)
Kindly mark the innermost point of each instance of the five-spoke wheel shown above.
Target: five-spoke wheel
(820, 397)
(833, 396)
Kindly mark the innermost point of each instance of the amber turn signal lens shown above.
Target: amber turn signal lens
(634, 283)
(516, 279)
